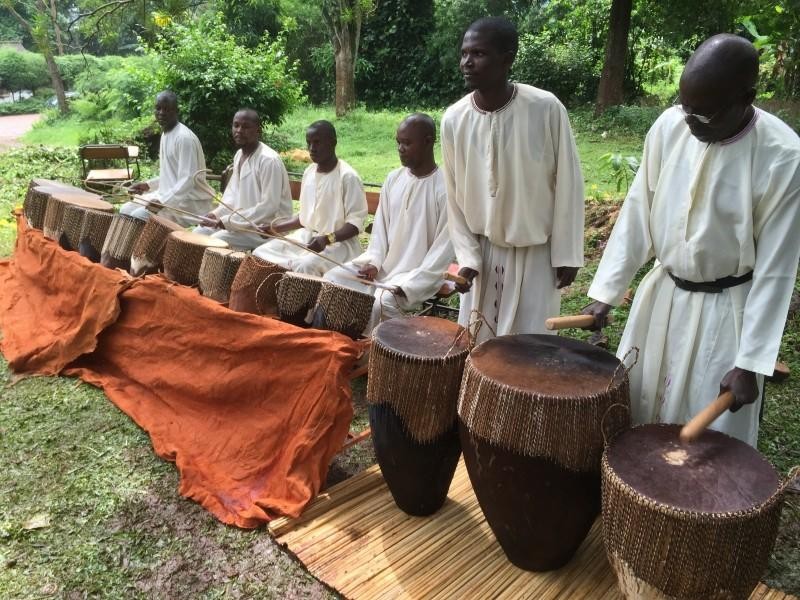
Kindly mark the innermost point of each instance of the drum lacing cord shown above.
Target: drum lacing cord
(266, 279)
(794, 473)
(603, 420)
(477, 324)
(621, 365)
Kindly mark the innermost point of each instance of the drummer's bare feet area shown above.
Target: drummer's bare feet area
(12, 129)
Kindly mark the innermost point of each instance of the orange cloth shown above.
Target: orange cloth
(53, 303)
(251, 409)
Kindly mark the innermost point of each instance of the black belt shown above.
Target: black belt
(711, 287)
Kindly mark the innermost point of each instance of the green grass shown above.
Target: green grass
(117, 527)
(66, 132)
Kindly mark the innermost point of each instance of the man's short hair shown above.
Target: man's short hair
(503, 34)
(251, 114)
(324, 126)
(169, 96)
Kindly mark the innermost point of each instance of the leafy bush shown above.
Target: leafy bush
(117, 87)
(22, 70)
(22, 107)
(213, 77)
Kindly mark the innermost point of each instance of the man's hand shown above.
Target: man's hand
(743, 384)
(565, 276)
(469, 275)
(138, 188)
(318, 243)
(599, 310)
(154, 206)
(212, 220)
(368, 272)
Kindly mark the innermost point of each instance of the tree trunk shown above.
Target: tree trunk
(56, 28)
(345, 80)
(58, 83)
(610, 92)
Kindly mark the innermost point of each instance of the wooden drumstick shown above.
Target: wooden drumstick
(571, 321)
(456, 278)
(706, 417)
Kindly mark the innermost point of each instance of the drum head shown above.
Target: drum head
(165, 222)
(198, 239)
(83, 199)
(421, 336)
(547, 365)
(713, 474)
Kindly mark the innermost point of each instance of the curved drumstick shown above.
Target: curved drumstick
(705, 417)
(572, 321)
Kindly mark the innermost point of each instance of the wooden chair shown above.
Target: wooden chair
(109, 153)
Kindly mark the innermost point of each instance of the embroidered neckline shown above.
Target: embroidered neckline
(747, 128)
(502, 108)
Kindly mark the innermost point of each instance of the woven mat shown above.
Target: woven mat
(358, 542)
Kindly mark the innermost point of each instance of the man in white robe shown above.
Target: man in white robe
(514, 189)
(181, 182)
(716, 202)
(333, 207)
(258, 190)
(409, 248)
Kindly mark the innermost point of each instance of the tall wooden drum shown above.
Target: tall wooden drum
(342, 309)
(75, 212)
(297, 294)
(118, 245)
(531, 412)
(184, 254)
(688, 521)
(93, 234)
(254, 288)
(57, 202)
(415, 369)
(147, 255)
(217, 272)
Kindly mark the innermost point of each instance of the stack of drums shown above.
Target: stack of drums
(342, 309)
(93, 234)
(56, 204)
(531, 412)
(118, 245)
(148, 253)
(217, 272)
(254, 288)
(75, 212)
(297, 295)
(184, 254)
(35, 203)
(688, 521)
(415, 369)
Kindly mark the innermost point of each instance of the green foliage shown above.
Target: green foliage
(623, 168)
(22, 70)
(25, 106)
(213, 77)
(618, 120)
(249, 20)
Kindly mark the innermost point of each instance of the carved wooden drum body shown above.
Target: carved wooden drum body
(183, 255)
(147, 255)
(297, 296)
(217, 272)
(531, 413)
(93, 234)
(415, 369)
(342, 309)
(687, 521)
(254, 288)
(75, 211)
(118, 245)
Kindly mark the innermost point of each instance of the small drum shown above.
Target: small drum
(118, 245)
(341, 309)
(74, 215)
(184, 253)
(57, 203)
(253, 289)
(531, 412)
(688, 521)
(217, 272)
(93, 233)
(297, 295)
(415, 368)
(148, 252)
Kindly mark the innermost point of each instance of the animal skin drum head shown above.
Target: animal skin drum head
(714, 473)
(421, 336)
(551, 365)
(199, 239)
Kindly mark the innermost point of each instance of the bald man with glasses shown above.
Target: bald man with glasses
(716, 203)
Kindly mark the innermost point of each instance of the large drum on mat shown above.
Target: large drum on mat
(57, 202)
(532, 413)
(297, 294)
(415, 369)
(75, 211)
(35, 203)
(147, 255)
(217, 272)
(93, 234)
(688, 521)
(118, 245)
(342, 309)
(184, 254)
(254, 288)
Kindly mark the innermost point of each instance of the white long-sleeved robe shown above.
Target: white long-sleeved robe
(180, 158)
(409, 244)
(515, 206)
(259, 191)
(327, 202)
(705, 211)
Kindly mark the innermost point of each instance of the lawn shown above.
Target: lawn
(87, 509)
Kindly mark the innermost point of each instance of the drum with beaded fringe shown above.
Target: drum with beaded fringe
(342, 309)
(254, 288)
(297, 294)
(120, 239)
(183, 255)
(217, 272)
(147, 255)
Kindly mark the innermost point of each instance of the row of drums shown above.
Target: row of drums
(543, 425)
(85, 223)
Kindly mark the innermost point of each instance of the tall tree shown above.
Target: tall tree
(344, 19)
(610, 92)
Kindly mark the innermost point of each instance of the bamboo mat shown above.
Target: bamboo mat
(358, 542)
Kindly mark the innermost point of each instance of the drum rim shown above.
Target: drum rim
(197, 239)
(401, 353)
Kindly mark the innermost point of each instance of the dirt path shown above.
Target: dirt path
(13, 128)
